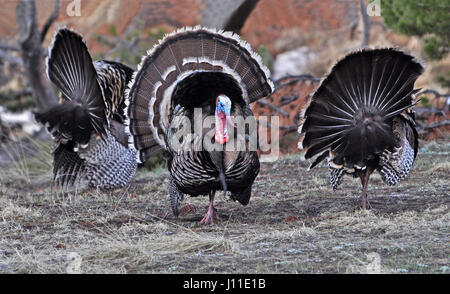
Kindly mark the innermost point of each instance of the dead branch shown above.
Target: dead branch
(294, 79)
(31, 53)
(289, 129)
(435, 93)
(437, 96)
(51, 19)
(240, 15)
(285, 129)
(227, 15)
(366, 24)
(424, 112)
(433, 125)
(270, 105)
(285, 100)
(353, 30)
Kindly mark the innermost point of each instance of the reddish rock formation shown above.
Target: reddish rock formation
(287, 24)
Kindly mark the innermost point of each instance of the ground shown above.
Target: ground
(294, 223)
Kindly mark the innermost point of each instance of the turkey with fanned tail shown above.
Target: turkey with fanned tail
(90, 141)
(361, 118)
(187, 98)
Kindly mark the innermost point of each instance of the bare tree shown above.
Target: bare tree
(366, 24)
(228, 15)
(240, 15)
(32, 52)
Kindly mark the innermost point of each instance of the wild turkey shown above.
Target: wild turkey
(87, 124)
(194, 74)
(361, 118)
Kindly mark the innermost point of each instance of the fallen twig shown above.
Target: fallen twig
(270, 105)
(433, 125)
(285, 100)
(434, 92)
(423, 112)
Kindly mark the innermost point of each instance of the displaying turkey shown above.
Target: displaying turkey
(192, 77)
(87, 125)
(361, 118)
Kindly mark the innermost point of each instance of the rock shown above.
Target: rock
(293, 62)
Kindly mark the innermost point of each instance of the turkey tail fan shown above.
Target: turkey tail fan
(70, 68)
(351, 112)
(68, 121)
(67, 166)
(183, 68)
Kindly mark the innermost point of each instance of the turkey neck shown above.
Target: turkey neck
(226, 159)
(217, 158)
(223, 159)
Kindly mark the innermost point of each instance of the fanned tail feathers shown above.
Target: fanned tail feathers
(350, 115)
(186, 64)
(68, 167)
(83, 109)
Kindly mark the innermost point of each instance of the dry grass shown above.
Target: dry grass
(293, 224)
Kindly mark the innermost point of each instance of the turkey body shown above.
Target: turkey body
(198, 172)
(88, 124)
(361, 118)
(192, 77)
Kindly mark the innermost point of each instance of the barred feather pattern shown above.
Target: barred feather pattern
(68, 167)
(113, 78)
(246, 167)
(109, 164)
(104, 163)
(90, 139)
(176, 196)
(395, 166)
(195, 173)
(336, 175)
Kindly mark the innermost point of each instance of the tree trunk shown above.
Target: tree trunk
(32, 52)
(366, 24)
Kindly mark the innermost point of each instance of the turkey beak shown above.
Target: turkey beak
(223, 116)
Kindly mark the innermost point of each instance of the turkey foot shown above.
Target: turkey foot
(365, 204)
(211, 214)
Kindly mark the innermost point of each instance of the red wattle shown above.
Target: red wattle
(221, 131)
(220, 139)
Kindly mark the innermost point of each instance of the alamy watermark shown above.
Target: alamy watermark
(73, 263)
(247, 134)
(371, 266)
(374, 8)
(74, 8)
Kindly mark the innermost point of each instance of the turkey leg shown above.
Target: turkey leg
(212, 214)
(364, 182)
